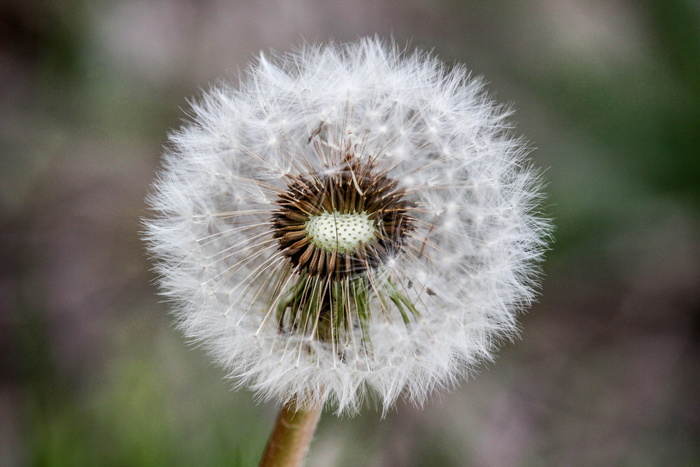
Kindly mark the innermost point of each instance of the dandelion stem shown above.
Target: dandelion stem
(291, 437)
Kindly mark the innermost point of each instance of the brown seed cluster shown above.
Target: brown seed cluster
(355, 188)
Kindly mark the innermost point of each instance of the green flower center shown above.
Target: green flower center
(341, 224)
(343, 233)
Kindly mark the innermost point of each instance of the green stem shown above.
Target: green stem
(291, 437)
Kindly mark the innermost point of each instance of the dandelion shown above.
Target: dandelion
(349, 220)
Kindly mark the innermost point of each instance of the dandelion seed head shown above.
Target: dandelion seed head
(348, 220)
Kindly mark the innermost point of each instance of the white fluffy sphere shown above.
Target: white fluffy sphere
(329, 140)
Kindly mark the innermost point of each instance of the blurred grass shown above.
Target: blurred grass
(149, 409)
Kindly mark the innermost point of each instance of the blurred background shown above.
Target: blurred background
(606, 370)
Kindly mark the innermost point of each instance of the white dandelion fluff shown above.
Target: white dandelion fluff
(348, 219)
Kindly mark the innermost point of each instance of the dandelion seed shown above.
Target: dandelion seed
(348, 220)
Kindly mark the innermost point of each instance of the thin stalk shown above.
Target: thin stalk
(291, 437)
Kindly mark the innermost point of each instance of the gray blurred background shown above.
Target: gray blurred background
(606, 370)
